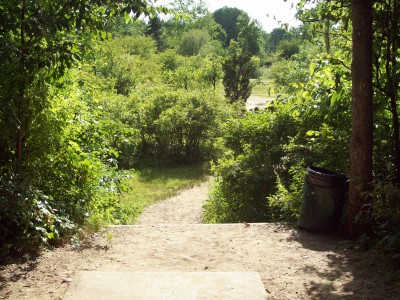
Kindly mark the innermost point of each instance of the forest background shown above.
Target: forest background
(88, 91)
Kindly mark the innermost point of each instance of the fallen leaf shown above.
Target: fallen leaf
(66, 280)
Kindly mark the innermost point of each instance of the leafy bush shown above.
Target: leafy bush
(261, 173)
(68, 178)
(287, 48)
(286, 72)
(177, 127)
(127, 62)
(193, 41)
(40, 207)
(385, 208)
(28, 217)
(286, 202)
(246, 175)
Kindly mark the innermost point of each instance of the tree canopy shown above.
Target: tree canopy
(227, 17)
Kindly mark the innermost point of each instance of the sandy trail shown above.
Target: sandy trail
(293, 264)
(185, 208)
(257, 101)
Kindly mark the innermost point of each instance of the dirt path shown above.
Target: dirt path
(293, 264)
(257, 101)
(185, 208)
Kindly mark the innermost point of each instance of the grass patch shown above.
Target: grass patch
(149, 185)
(262, 87)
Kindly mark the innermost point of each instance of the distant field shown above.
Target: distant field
(262, 87)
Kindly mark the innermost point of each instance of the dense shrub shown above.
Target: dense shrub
(28, 218)
(193, 41)
(261, 173)
(254, 157)
(68, 178)
(127, 62)
(287, 48)
(177, 127)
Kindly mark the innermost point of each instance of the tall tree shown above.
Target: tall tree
(277, 35)
(39, 40)
(362, 113)
(186, 12)
(361, 145)
(212, 70)
(208, 24)
(237, 69)
(227, 17)
(249, 36)
(154, 30)
(192, 8)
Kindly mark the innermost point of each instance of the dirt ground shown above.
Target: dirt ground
(293, 264)
(257, 101)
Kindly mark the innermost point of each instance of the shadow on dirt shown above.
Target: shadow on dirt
(16, 268)
(365, 272)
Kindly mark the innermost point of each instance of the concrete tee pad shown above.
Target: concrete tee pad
(166, 286)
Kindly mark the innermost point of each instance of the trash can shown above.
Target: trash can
(324, 197)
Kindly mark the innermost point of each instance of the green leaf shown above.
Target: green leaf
(312, 133)
(74, 146)
(312, 68)
(127, 18)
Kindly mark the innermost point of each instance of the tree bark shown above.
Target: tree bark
(362, 114)
(327, 36)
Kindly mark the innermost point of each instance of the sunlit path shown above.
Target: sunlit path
(257, 101)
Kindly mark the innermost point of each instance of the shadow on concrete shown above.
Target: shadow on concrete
(364, 271)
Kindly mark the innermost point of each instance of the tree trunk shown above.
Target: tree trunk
(362, 114)
(327, 36)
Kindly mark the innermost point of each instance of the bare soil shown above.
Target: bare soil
(259, 102)
(293, 264)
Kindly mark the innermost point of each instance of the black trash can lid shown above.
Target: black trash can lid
(324, 177)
